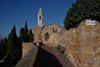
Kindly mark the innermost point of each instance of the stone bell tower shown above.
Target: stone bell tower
(40, 18)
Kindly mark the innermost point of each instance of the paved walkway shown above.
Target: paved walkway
(51, 57)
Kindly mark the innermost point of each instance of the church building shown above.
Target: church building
(36, 30)
(42, 32)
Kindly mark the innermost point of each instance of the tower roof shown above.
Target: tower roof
(40, 11)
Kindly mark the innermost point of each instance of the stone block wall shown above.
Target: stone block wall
(29, 59)
(82, 44)
(36, 33)
(52, 30)
(26, 48)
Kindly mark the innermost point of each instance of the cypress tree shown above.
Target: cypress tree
(26, 36)
(12, 46)
(22, 35)
(31, 36)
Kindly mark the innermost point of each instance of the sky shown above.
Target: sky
(16, 12)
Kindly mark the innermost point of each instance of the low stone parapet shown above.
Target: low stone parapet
(29, 58)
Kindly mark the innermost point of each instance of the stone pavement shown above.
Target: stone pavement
(51, 57)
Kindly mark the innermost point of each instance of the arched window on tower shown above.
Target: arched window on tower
(39, 17)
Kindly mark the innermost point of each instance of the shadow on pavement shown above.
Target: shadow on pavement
(46, 59)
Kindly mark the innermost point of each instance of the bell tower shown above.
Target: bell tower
(40, 18)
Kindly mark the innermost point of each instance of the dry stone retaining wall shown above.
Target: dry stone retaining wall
(82, 44)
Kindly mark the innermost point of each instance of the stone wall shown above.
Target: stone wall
(52, 30)
(29, 59)
(36, 32)
(82, 44)
(26, 48)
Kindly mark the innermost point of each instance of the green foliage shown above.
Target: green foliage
(31, 36)
(13, 47)
(25, 27)
(11, 42)
(24, 33)
(80, 11)
(3, 42)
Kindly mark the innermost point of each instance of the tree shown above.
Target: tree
(11, 44)
(80, 11)
(3, 43)
(13, 47)
(24, 33)
(0, 38)
(31, 36)
(25, 27)
(26, 36)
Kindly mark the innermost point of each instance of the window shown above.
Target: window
(46, 36)
(54, 30)
(39, 17)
